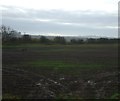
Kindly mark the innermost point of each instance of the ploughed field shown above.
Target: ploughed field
(35, 71)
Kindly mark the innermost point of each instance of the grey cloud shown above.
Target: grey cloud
(62, 16)
(58, 21)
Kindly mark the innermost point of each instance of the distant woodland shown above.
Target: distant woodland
(11, 36)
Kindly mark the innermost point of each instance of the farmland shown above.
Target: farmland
(84, 71)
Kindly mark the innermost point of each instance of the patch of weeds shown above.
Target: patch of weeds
(115, 96)
(61, 65)
(10, 96)
(68, 97)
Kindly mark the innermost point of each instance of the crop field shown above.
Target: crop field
(35, 71)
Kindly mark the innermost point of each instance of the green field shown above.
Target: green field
(72, 62)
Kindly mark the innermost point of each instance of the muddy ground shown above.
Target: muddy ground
(23, 81)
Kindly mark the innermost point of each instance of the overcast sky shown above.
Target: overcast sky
(62, 17)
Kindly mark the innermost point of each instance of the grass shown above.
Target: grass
(9, 96)
(55, 61)
(65, 57)
(32, 45)
(63, 65)
(115, 96)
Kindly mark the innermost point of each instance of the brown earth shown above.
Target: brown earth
(31, 83)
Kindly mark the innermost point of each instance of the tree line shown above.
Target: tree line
(11, 36)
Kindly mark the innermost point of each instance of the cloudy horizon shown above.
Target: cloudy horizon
(62, 17)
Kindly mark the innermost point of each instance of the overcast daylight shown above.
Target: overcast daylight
(59, 49)
(62, 17)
